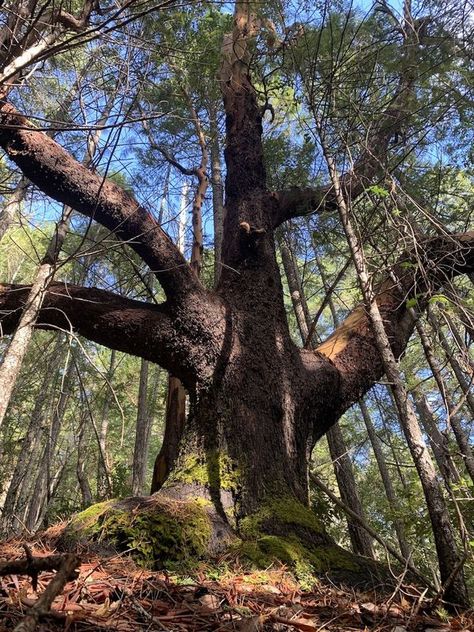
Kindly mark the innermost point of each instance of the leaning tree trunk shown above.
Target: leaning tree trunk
(449, 559)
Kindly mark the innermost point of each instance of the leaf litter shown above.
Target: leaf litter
(113, 593)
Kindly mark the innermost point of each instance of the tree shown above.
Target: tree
(258, 403)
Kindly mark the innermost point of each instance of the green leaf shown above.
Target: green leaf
(440, 298)
(378, 190)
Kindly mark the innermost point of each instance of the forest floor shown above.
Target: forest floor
(113, 593)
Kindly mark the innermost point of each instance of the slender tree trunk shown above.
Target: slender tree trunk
(81, 467)
(360, 539)
(388, 435)
(175, 420)
(104, 477)
(217, 195)
(298, 299)
(453, 418)
(176, 402)
(13, 501)
(41, 493)
(175, 413)
(438, 440)
(466, 355)
(142, 434)
(386, 480)
(466, 386)
(443, 532)
(13, 206)
(375, 442)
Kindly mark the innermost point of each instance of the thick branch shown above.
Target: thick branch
(55, 172)
(352, 347)
(141, 329)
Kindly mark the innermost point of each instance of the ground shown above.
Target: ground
(114, 593)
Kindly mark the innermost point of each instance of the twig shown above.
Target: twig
(42, 607)
(32, 566)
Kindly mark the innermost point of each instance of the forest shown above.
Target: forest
(236, 315)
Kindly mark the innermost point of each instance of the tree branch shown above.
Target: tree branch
(120, 323)
(352, 347)
(55, 172)
(296, 202)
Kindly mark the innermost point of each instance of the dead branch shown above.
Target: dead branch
(64, 565)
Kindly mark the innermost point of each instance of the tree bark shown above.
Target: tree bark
(142, 434)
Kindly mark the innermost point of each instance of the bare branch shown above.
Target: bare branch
(120, 323)
(55, 172)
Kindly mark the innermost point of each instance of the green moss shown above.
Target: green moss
(284, 511)
(215, 469)
(305, 562)
(87, 522)
(287, 531)
(166, 531)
